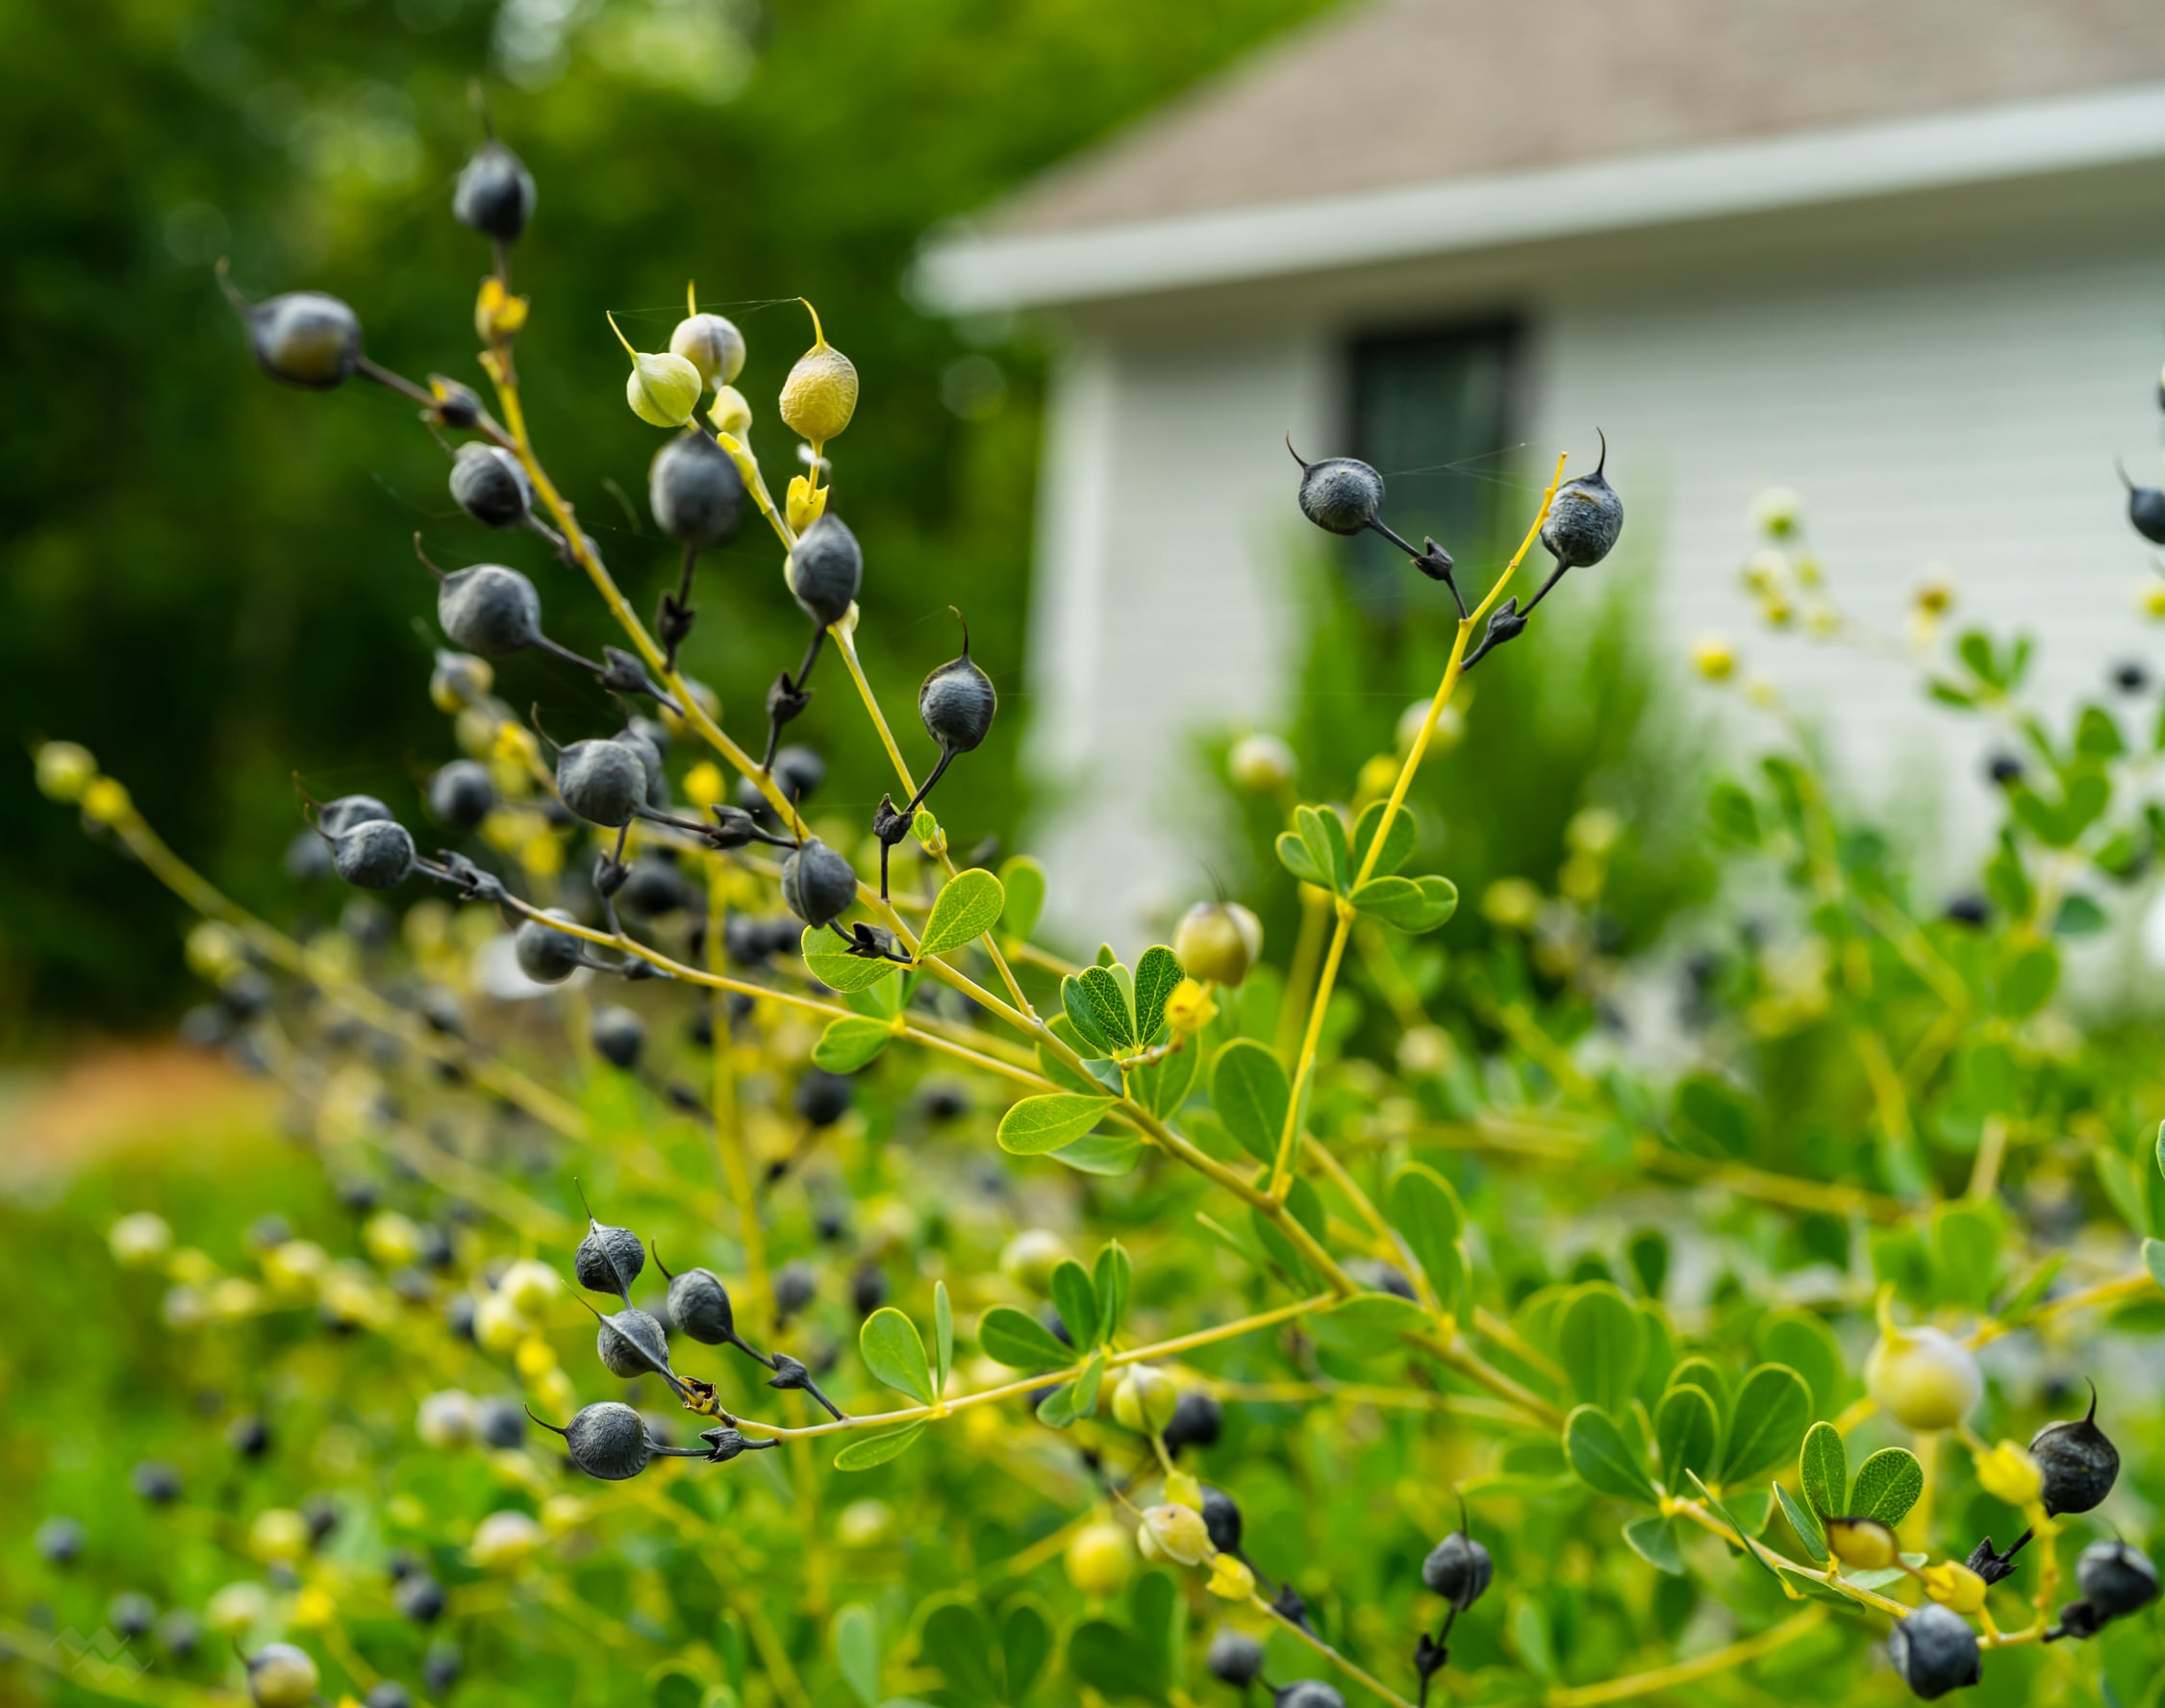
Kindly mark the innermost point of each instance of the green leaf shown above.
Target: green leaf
(894, 1352)
(1704, 1374)
(1163, 1087)
(956, 1637)
(1687, 1434)
(2153, 1260)
(1805, 1522)
(1057, 1067)
(846, 1045)
(1888, 1485)
(1597, 1451)
(1057, 1409)
(838, 971)
(926, 829)
(1249, 1090)
(2079, 915)
(967, 906)
(868, 1450)
(1022, 883)
(1772, 1409)
(1107, 1658)
(1111, 1006)
(1367, 1324)
(1736, 814)
(1077, 1300)
(1039, 1124)
(943, 1337)
(856, 1635)
(1397, 846)
(1408, 904)
(1823, 1468)
(1021, 1342)
(1106, 1155)
(1732, 1519)
(1157, 975)
(1082, 1016)
(1808, 1345)
(1110, 1278)
(1083, 1400)
(1161, 1622)
(1294, 856)
(2031, 980)
(884, 1000)
(1025, 1645)
(1653, 1539)
(1426, 1212)
(1325, 832)
(1600, 1344)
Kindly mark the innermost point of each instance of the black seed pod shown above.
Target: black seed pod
(798, 772)
(654, 887)
(608, 1441)
(629, 1343)
(2115, 1578)
(957, 702)
(178, 1634)
(494, 194)
(419, 1598)
(305, 338)
(489, 608)
(249, 1436)
(1308, 1693)
(699, 1306)
(618, 1036)
(1222, 1517)
(2146, 509)
(695, 490)
(462, 794)
(130, 1614)
(440, 1666)
(652, 761)
(1196, 1419)
(825, 569)
(457, 405)
(156, 1481)
(321, 1513)
(1934, 1650)
(818, 884)
(546, 955)
(335, 817)
(796, 1284)
(1235, 1658)
(603, 782)
(60, 1542)
(500, 1422)
(2080, 1465)
(385, 1692)
(943, 1100)
(1584, 519)
(490, 486)
(867, 1288)
(378, 855)
(1458, 1568)
(1340, 494)
(822, 1098)
(609, 1259)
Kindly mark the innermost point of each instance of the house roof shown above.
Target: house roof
(1392, 99)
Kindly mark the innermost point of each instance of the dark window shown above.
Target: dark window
(1431, 409)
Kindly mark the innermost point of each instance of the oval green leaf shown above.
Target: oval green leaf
(870, 1450)
(1249, 1090)
(894, 1352)
(838, 971)
(965, 909)
(1772, 1409)
(1039, 1124)
(1021, 1342)
(1597, 1451)
(846, 1045)
(1823, 1468)
(1601, 1343)
(1888, 1485)
(1687, 1434)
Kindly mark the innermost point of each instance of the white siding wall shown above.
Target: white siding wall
(1939, 387)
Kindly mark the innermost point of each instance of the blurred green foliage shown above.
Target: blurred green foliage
(211, 580)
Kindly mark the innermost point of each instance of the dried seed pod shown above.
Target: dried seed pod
(1934, 1650)
(699, 1306)
(419, 1598)
(386, 1692)
(2077, 1462)
(1308, 1693)
(1458, 1568)
(1339, 494)
(2146, 509)
(655, 887)
(821, 394)
(494, 194)
(822, 1098)
(488, 484)
(826, 568)
(335, 817)
(608, 1441)
(1195, 1422)
(377, 855)
(1222, 1517)
(546, 955)
(303, 338)
(1235, 1658)
(618, 1036)
(60, 1541)
(459, 680)
(818, 884)
(602, 781)
(630, 1342)
(1584, 519)
(609, 1259)
(2115, 1578)
(489, 608)
(500, 1422)
(695, 491)
(957, 702)
(462, 794)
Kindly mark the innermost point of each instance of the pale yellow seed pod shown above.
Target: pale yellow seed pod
(1262, 762)
(1714, 658)
(65, 771)
(504, 1541)
(279, 1536)
(1176, 1533)
(1029, 1259)
(105, 800)
(140, 1241)
(391, 1240)
(710, 343)
(1954, 1586)
(1218, 940)
(528, 1286)
(1866, 1543)
(1145, 1400)
(661, 390)
(1922, 1379)
(821, 394)
(1099, 1559)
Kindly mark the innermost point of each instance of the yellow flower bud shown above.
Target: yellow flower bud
(1188, 1008)
(1031, 1256)
(1922, 1379)
(703, 786)
(1379, 775)
(1260, 764)
(864, 1523)
(497, 1327)
(1230, 1577)
(534, 1359)
(528, 1286)
(1181, 1489)
(1866, 1543)
(662, 390)
(2150, 598)
(731, 411)
(1807, 570)
(65, 771)
(295, 1265)
(1145, 1400)
(1714, 658)
(105, 800)
(279, 1536)
(504, 1541)
(1176, 1533)
(2009, 1473)
(821, 393)
(1099, 1560)
(498, 314)
(804, 504)
(138, 1241)
(313, 1609)
(1954, 1586)
(1218, 940)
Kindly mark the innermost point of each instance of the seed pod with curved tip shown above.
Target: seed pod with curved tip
(1308, 1693)
(710, 343)
(378, 855)
(489, 608)
(1339, 494)
(2115, 1578)
(2146, 509)
(334, 818)
(281, 1677)
(602, 781)
(630, 1342)
(1218, 940)
(1235, 1658)
(821, 393)
(488, 484)
(1934, 1650)
(303, 338)
(826, 568)
(699, 1306)
(695, 491)
(607, 1440)
(957, 702)
(462, 794)
(609, 1259)
(546, 955)
(822, 1098)
(1458, 1568)
(618, 1036)
(2077, 1462)
(818, 884)
(494, 194)
(662, 390)
(1584, 518)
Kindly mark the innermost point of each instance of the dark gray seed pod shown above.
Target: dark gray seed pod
(1458, 1568)
(1584, 519)
(1308, 1693)
(440, 1666)
(1196, 1421)
(609, 1441)
(490, 486)
(957, 702)
(500, 1422)
(546, 955)
(1222, 1517)
(2146, 509)
(695, 492)
(2115, 1578)
(307, 859)
(130, 1614)
(655, 889)
(462, 794)
(494, 194)
(825, 569)
(822, 1098)
(798, 772)
(419, 1598)
(178, 1634)
(618, 1036)
(378, 855)
(335, 817)
(1381, 1277)
(652, 764)
(699, 1306)
(457, 405)
(629, 1344)
(305, 338)
(385, 1692)
(156, 1481)
(1934, 1650)
(489, 608)
(603, 782)
(1341, 494)
(869, 1288)
(609, 1259)
(2078, 1463)
(1235, 1658)
(794, 1287)
(818, 884)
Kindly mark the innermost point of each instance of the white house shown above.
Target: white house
(1905, 256)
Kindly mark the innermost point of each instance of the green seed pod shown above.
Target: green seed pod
(488, 484)
(818, 884)
(1934, 1650)
(603, 782)
(1584, 519)
(281, 1677)
(662, 391)
(65, 771)
(825, 569)
(1218, 940)
(494, 194)
(2077, 1462)
(489, 608)
(1145, 1400)
(695, 491)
